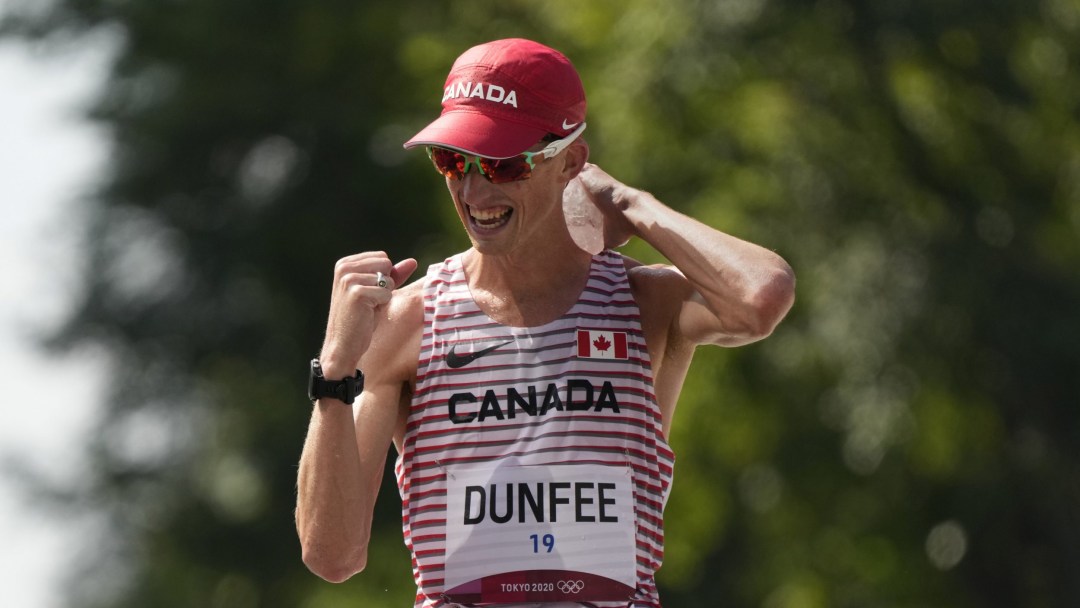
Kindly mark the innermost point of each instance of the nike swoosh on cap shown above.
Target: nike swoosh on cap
(567, 127)
(454, 360)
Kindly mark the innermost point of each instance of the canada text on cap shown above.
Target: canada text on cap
(504, 96)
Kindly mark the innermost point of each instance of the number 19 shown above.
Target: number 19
(548, 540)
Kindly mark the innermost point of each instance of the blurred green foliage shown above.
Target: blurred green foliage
(908, 437)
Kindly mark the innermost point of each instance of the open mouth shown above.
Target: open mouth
(491, 218)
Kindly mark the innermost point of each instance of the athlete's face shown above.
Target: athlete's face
(515, 216)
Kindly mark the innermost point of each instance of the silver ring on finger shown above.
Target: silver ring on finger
(380, 280)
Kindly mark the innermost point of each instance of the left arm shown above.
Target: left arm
(732, 292)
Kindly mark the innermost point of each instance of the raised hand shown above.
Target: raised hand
(355, 304)
(611, 197)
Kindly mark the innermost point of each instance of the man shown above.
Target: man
(527, 385)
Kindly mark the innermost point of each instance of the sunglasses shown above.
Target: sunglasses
(455, 165)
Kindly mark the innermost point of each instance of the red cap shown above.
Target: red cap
(504, 96)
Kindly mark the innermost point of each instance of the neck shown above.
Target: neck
(527, 290)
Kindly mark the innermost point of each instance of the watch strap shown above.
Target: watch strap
(345, 390)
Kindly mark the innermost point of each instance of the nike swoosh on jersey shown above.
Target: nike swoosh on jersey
(454, 360)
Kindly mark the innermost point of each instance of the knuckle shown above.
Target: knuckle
(353, 288)
(345, 281)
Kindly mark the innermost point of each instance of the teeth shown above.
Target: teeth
(487, 215)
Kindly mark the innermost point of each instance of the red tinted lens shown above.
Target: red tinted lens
(502, 170)
(449, 163)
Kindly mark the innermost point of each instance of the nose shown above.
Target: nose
(471, 182)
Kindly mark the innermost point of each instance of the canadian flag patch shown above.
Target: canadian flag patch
(601, 344)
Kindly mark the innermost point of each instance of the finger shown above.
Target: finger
(364, 256)
(594, 178)
(368, 261)
(403, 270)
(363, 289)
(395, 276)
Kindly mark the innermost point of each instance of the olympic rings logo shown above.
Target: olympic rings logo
(574, 587)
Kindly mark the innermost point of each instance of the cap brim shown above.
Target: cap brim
(478, 135)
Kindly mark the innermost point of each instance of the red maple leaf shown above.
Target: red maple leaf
(601, 344)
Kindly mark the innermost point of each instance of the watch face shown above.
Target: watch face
(313, 373)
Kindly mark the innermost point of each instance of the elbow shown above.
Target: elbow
(771, 301)
(334, 566)
(331, 549)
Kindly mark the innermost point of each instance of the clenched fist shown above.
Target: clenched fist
(355, 306)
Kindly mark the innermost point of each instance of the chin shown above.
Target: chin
(488, 248)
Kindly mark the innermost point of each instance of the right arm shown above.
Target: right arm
(344, 455)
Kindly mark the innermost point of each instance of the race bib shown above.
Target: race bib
(540, 534)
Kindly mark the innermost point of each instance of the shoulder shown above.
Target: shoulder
(404, 313)
(656, 283)
(660, 291)
(395, 345)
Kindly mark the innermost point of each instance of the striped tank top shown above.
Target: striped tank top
(576, 391)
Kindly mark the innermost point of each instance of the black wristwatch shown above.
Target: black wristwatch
(344, 390)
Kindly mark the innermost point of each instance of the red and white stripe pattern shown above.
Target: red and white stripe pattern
(531, 357)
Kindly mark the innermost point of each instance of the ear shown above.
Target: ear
(574, 158)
